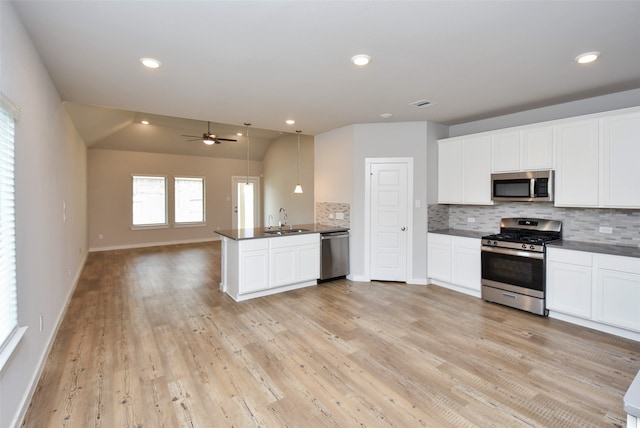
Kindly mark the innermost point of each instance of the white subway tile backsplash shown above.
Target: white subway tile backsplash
(579, 224)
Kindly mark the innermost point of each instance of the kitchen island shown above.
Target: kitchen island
(262, 261)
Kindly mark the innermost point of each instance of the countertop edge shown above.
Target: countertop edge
(260, 232)
(460, 232)
(591, 247)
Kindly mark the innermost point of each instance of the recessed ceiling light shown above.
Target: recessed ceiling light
(587, 57)
(386, 115)
(361, 59)
(150, 62)
(239, 134)
(144, 122)
(290, 121)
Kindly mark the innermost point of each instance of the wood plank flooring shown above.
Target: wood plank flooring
(149, 341)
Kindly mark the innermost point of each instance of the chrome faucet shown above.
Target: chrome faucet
(269, 221)
(282, 220)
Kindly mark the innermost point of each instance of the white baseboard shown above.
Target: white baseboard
(151, 244)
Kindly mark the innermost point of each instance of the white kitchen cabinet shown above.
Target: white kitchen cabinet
(537, 148)
(600, 291)
(522, 149)
(464, 171)
(294, 259)
(259, 267)
(505, 148)
(577, 147)
(439, 256)
(454, 262)
(569, 282)
(450, 170)
(253, 265)
(620, 154)
(617, 291)
(465, 257)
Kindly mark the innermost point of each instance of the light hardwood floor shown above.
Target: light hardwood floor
(149, 341)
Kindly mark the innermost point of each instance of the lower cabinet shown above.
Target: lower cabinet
(259, 267)
(601, 289)
(454, 262)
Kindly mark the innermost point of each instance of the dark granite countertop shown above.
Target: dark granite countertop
(461, 233)
(262, 232)
(611, 249)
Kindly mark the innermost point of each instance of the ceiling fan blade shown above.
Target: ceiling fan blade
(192, 136)
(196, 139)
(226, 139)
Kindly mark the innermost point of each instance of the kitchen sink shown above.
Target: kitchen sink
(284, 231)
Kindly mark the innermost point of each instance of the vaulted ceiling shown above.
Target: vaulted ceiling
(262, 62)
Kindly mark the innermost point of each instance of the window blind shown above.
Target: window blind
(8, 292)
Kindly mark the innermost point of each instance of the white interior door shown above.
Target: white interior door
(389, 196)
(245, 202)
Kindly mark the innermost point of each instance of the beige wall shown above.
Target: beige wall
(109, 196)
(51, 215)
(280, 176)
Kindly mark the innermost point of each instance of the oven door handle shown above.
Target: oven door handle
(510, 252)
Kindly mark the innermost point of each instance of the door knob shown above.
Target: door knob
(403, 228)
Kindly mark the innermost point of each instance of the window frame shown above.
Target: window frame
(149, 226)
(203, 222)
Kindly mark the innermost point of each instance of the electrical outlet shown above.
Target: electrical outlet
(100, 236)
(471, 219)
(339, 216)
(606, 229)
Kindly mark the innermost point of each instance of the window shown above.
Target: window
(149, 200)
(8, 287)
(189, 200)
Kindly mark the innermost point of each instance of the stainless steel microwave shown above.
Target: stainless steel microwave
(528, 186)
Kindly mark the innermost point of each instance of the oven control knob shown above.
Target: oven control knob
(495, 242)
(524, 246)
(533, 247)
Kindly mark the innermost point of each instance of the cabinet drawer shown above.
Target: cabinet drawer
(254, 244)
(437, 238)
(291, 241)
(619, 263)
(470, 243)
(580, 258)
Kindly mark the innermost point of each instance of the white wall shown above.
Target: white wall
(50, 172)
(334, 165)
(340, 160)
(109, 199)
(280, 176)
(615, 101)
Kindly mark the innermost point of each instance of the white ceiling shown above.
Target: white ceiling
(267, 61)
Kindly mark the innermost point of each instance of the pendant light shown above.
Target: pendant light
(298, 188)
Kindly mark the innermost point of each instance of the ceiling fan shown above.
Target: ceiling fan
(209, 138)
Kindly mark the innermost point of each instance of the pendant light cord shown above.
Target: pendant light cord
(248, 141)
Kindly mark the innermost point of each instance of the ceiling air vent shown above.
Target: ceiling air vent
(421, 103)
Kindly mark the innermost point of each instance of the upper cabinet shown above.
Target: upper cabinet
(577, 149)
(620, 153)
(464, 170)
(524, 149)
(594, 159)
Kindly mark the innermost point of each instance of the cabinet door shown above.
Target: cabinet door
(577, 164)
(537, 148)
(439, 257)
(618, 298)
(466, 263)
(254, 271)
(308, 262)
(505, 151)
(450, 172)
(620, 154)
(283, 266)
(476, 172)
(569, 288)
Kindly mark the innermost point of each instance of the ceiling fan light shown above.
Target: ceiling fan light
(208, 141)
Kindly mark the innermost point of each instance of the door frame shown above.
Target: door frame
(367, 213)
(257, 218)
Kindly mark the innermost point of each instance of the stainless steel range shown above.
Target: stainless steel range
(513, 263)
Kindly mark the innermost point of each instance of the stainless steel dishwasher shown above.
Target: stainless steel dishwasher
(334, 255)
